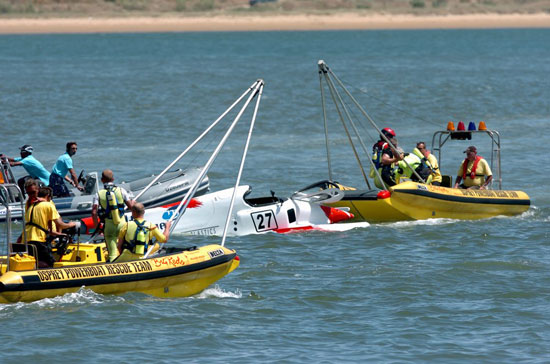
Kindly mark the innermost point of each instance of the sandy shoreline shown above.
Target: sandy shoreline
(270, 22)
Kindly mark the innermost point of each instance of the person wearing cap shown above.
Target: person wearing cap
(61, 168)
(108, 207)
(474, 171)
(34, 168)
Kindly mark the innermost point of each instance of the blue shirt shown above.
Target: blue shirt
(35, 169)
(62, 165)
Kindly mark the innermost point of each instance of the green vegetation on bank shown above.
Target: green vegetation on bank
(37, 8)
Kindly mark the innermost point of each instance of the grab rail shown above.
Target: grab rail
(5, 193)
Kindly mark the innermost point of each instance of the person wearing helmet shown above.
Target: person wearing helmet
(377, 149)
(34, 168)
(384, 158)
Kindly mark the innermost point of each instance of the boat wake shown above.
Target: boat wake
(429, 222)
(84, 296)
(342, 227)
(217, 292)
(535, 213)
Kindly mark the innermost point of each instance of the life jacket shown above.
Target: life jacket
(474, 167)
(401, 168)
(377, 151)
(137, 236)
(111, 204)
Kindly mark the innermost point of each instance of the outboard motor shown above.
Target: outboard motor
(90, 184)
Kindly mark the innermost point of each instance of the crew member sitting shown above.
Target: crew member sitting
(431, 161)
(137, 235)
(474, 171)
(45, 193)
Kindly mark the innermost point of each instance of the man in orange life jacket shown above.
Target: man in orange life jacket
(474, 171)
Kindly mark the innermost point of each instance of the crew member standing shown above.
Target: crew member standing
(34, 168)
(62, 166)
(384, 158)
(474, 172)
(108, 207)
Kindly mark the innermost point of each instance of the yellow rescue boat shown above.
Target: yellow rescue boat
(408, 200)
(417, 201)
(174, 273)
(164, 272)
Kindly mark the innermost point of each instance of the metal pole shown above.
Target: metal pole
(333, 91)
(322, 71)
(350, 120)
(245, 151)
(195, 142)
(183, 204)
(371, 121)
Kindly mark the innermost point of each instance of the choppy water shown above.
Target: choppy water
(441, 290)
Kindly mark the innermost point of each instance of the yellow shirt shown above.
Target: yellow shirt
(482, 170)
(153, 232)
(43, 213)
(436, 173)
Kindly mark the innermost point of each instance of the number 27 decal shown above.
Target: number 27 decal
(264, 220)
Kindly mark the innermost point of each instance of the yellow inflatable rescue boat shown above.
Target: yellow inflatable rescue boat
(172, 273)
(412, 195)
(417, 201)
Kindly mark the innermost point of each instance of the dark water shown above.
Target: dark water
(435, 291)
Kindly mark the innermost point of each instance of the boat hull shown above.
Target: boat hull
(207, 214)
(179, 274)
(416, 201)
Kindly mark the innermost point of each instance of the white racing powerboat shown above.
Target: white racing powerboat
(206, 215)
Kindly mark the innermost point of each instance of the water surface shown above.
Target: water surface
(440, 290)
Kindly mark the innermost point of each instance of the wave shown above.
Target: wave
(535, 213)
(83, 296)
(218, 292)
(429, 222)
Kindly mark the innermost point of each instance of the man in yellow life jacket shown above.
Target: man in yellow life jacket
(136, 236)
(404, 171)
(474, 171)
(431, 161)
(108, 208)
